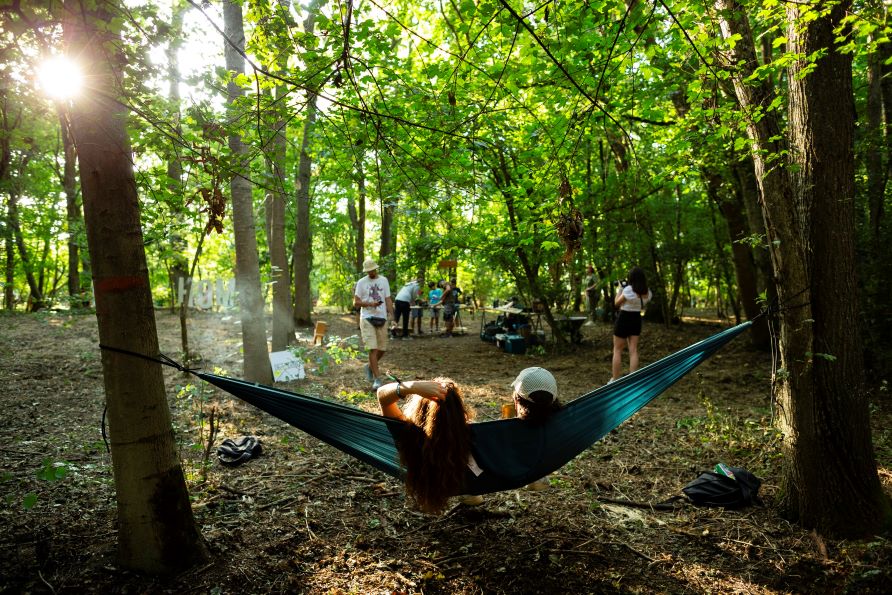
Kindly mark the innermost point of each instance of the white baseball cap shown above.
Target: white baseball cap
(535, 379)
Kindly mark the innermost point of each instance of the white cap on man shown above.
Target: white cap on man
(531, 380)
(369, 265)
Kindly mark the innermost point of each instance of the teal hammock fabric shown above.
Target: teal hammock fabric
(511, 452)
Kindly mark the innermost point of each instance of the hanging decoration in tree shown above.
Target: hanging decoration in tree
(569, 220)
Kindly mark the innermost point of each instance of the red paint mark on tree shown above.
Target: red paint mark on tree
(119, 284)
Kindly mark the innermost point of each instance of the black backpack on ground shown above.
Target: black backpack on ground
(717, 489)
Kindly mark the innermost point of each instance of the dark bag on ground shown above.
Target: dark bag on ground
(235, 452)
(717, 489)
(376, 320)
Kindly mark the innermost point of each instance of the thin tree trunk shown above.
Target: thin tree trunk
(35, 298)
(75, 217)
(247, 265)
(156, 529)
(283, 314)
(747, 191)
(175, 176)
(9, 269)
(874, 153)
(302, 254)
(303, 297)
(356, 212)
(738, 230)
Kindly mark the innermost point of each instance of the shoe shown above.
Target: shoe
(378, 383)
(471, 500)
(539, 485)
(611, 380)
(368, 373)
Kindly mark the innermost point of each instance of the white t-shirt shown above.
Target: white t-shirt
(408, 293)
(633, 302)
(373, 290)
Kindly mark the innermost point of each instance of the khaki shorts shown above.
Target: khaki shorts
(373, 337)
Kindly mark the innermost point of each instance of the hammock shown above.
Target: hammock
(511, 452)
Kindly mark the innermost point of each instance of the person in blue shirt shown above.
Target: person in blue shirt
(434, 296)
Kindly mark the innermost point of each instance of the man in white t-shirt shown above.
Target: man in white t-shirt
(405, 297)
(372, 297)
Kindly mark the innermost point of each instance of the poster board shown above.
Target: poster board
(286, 366)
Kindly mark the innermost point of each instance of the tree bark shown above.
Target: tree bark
(247, 264)
(874, 152)
(744, 267)
(156, 529)
(303, 241)
(283, 314)
(746, 189)
(825, 416)
(821, 405)
(75, 218)
(35, 297)
(302, 255)
(356, 212)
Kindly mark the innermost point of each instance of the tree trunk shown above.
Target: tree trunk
(247, 264)
(825, 416)
(387, 254)
(283, 314)
(73, 209)
(35, 297)
(303, 241)
(738, 229)
(874, 149)
(179, 270)
(9, 269)
(356, 212)
(746, 189)
(156, 529)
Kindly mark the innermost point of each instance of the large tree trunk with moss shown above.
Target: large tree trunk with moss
(247, 265)
(156, 529)
(821, 405)
(824, 415)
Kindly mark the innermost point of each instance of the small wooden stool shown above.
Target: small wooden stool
(319, 332)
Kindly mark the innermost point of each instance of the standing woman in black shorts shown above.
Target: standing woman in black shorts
(631, 301)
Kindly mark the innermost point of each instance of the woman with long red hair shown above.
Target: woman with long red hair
(435, 444)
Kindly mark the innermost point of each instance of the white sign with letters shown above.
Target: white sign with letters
(205, 293)
(286, 366)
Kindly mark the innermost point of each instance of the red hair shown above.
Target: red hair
(435, 448)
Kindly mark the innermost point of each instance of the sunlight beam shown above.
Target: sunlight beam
(60, 78)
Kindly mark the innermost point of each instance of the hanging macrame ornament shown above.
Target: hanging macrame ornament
(569, 221)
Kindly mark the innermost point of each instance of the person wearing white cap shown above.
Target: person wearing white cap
(372, 296)
(535, 394)
(535, 399)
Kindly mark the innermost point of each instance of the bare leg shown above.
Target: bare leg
(618, 345)
(375, 356)
(633, 353)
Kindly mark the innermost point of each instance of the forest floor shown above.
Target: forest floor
(305, 518)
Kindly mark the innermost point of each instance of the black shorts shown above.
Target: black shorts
(628, 324)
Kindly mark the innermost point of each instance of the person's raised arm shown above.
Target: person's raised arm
(620, 298)
(391, 393)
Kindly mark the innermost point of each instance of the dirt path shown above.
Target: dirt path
(306, 518)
